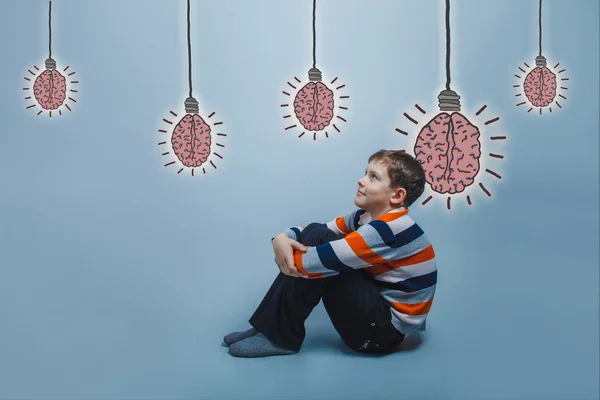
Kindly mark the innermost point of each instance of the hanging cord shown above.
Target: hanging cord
(448, 44)
(50, 29)
(189, 48)
(314, 34)
(540, 18)
(449, 100)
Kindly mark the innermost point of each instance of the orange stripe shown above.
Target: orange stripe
(413, 309)
(300, 267)
(341, 224)
(391, 216)
(362, 249)
(424, 255)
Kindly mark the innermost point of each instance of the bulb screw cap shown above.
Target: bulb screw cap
(449, 100)
(540, 61)
(50, 63)
(191, 105)
(315, 75)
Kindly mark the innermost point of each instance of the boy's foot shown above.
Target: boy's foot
(237, 336)
(258, 346)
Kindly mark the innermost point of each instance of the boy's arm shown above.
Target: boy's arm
(360, 249)
(347, 224)
(340, 225)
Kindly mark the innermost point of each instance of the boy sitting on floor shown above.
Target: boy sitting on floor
(374, 269)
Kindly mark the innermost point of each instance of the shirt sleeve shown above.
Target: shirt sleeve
(346, 224)
(341, 225)
(359, 249)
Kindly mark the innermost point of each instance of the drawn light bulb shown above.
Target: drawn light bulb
(192, 138)
(449, 146)
(315, 103)
(540, 85)
(50, 87)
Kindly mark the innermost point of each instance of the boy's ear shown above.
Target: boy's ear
(399, 196)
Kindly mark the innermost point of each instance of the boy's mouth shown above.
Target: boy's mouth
(359, 193)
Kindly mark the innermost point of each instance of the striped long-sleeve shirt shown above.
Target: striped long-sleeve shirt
(392, 248)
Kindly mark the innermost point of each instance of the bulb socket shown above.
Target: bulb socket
(50, 63)
(315, 75)
(449, 100)
(540, 61)
(191, 105)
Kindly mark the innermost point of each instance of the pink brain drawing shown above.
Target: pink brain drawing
(540, 86)
(448, 148)
(313, 106)
(50, 89)
(191, 140)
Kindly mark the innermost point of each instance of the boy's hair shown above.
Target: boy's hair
(405, 172)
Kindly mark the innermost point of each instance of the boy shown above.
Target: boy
(374, 269)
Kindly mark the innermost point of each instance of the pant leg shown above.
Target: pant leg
(289, 301)
(359, 313)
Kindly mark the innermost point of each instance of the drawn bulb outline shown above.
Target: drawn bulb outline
(449, 146)
(50, 88)
(315, 104)
(192, 139)
(540, 83)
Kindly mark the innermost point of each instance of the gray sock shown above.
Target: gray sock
(258, 346)
(237, 336)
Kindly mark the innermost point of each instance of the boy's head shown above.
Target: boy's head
(392, 179)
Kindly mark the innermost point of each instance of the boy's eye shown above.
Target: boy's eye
(373, 176)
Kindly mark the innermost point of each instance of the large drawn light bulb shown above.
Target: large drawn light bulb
(449, 146)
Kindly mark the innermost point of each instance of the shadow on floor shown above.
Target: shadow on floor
(329, 342)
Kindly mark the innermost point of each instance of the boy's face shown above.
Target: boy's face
(374, 193)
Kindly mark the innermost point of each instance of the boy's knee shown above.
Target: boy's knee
(316, 233)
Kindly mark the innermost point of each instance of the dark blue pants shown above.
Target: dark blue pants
(352, 300)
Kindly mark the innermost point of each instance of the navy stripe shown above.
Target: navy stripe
(401, 239)
(329, 259)
(408, 235)
(413, 284)
(296, 231)
(385, 232)
(357, 218)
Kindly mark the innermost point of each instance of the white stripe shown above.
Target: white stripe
(420, 296)
(410, 271)
(333, 226)
(346, 255)
(365, 218)
(400, 224)
(407, 324)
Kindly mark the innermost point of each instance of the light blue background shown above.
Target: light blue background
(119, 277)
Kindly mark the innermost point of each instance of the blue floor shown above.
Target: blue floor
(518, 319)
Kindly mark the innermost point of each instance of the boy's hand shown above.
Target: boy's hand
(284, 247)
